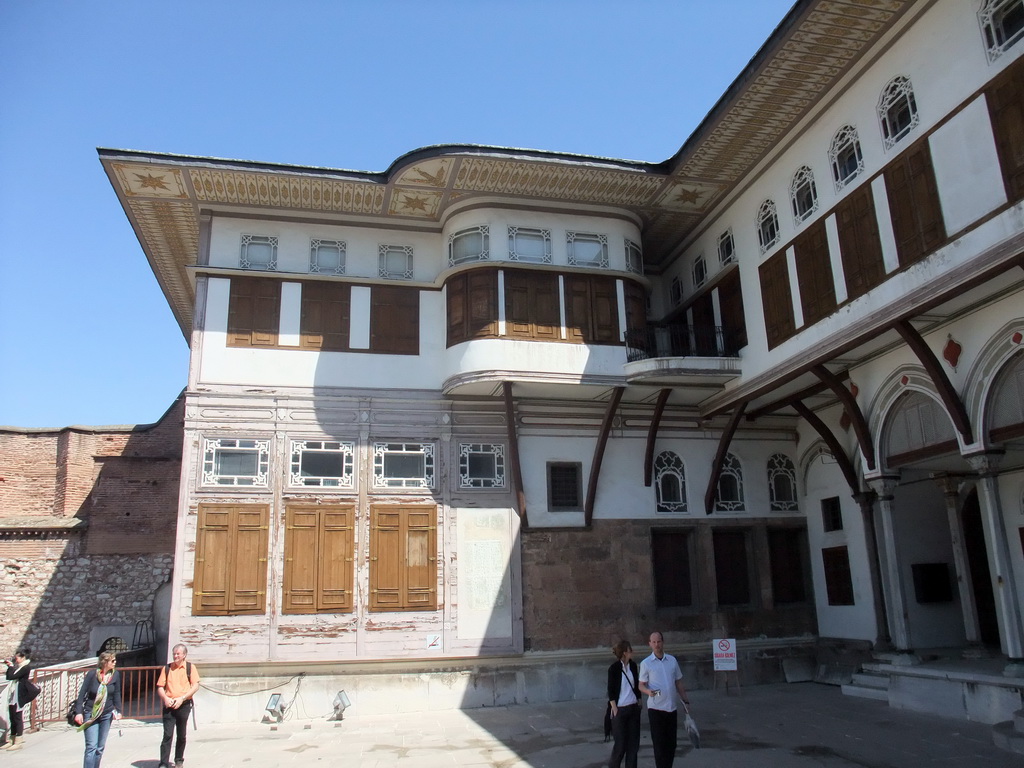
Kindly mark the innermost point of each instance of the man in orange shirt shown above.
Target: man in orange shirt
(176, 685)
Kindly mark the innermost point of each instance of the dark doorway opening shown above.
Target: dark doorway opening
(981, 577)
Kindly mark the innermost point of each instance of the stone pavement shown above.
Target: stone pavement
(802, 725)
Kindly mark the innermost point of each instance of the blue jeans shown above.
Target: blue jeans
(96, 740)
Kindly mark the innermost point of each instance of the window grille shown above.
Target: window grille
(258, 252)
(1002, 25)
(395, 262)
(327, 257)
(670, 482)
(529, 244)
(767, 225)
(469, 245)
(782, 483)
(803, 194)
(726, 248)
(845, 156)
(587, 250)
(897, 110)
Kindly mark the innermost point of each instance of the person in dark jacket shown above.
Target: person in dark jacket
(624, 702)
(97, 705)
(18, 670)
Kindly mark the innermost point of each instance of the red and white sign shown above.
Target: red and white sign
(724, 652)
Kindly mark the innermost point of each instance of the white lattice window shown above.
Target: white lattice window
(327, 257)
(845, 156)
(917, 421)
(699, 272)
(395, 262)
(258, 252)
(529, 244)
(767, 225)
(897, 110)
(481, 465)
(634, 257)
(729, 495)
(675, 291)
(235, 461)
(403, 465)
(1002, 25)
(726, 248)
(782, 483)
(469, 245)
(322, 464)
(670, 482)
(803, 194)
(587, 250)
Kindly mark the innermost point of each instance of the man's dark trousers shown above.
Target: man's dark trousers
(175, 720)
(663, 736)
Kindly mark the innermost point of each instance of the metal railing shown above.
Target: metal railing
(59, 687)
(680, 341)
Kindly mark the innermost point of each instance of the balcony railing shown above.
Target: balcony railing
(59, 687)
(680, 341)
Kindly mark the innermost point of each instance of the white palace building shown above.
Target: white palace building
(478, 416)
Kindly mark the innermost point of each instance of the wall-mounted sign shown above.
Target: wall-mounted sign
(724, 652)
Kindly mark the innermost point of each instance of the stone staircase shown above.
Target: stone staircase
(868, 685)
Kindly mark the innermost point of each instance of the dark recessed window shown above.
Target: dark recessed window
(564, 489)
(831, 514)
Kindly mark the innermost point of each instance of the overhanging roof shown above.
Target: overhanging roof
(817, 43)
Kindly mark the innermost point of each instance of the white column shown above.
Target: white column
(893, 587)
(950, 490)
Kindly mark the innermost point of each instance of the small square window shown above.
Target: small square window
(587, 250)
(481, 465)
(327, 257)
(322, 464)
(726, 248)
(529, 244)
(831, 514)
(403, 465)
(700, 272)
(236, 462)
(395, 262)
(469, 245)
(564, 489)
(258, 252)
(634, 258)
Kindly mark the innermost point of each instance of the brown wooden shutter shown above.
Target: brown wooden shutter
(578, 321)
(730, 302)
(859, 243)
(636, 306)
(326, 309)
(421, 558)
(336, 547)
(249, 563)
(604, 311)
(545, 308)
(1005, 97)
(394, 320)
(776, 299)
(704, 331)
(254, 312)
(814, 274)
(213, 554)
(482, 304)
(517, 304)
(455, 292)
(300, 559)
(914, 204)
(386, 559)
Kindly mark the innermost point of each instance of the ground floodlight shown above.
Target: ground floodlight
(275, 707)
(341, 703)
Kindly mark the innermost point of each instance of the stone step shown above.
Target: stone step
(1005, 736)
(1018, 721)
(867, 680)
(865, 692)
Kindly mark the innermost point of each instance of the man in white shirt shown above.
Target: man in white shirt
(661, 679)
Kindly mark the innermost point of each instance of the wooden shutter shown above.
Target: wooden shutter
(776, 299)
(604, 311)
(517, 304)
(254, 312)
(326, 309)
(636, 306)
(231, 560)
(455, 292)
(394, 320)
(249, 562)
(859, 243)
(914, 204)
(578, 321)
(300, 559)
(814, 274)
(704, 330)
(545, 308)
(403, 558)
(1005, 98)
(730, 302)
(482, 304)
(336, 547)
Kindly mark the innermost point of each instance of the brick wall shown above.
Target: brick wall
(122, 484)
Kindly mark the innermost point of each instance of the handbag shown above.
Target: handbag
(71, 715)
(33, 690)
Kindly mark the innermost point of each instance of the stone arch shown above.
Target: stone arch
(994, 356)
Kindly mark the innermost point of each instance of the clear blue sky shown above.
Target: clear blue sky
(86, 336)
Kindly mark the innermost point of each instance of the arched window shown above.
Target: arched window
(845, 156)
(700, 272)
(670, 478)
(782, 483)
(767, 225)
(1006, 410)
(1002, 25)
(897, 110)
(918, 428)
(803, 193)
(726, 248)
(729, 497)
